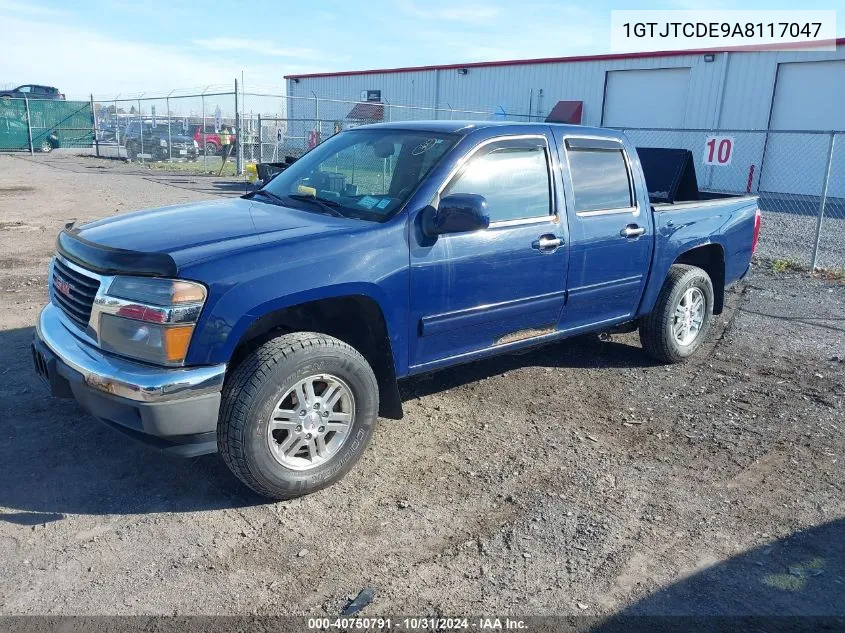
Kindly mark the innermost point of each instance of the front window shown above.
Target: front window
(367, 174)
(512, 175)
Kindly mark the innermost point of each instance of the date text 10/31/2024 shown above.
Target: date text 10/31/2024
(418, 624)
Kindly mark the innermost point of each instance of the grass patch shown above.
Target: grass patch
(787, 266)
(212, 166)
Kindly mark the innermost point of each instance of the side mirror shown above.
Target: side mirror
(456, 213)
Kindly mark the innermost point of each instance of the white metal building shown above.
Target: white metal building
(681, 90)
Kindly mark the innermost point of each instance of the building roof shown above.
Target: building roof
(549, 60)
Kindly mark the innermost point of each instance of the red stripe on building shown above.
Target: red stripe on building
(565, 60)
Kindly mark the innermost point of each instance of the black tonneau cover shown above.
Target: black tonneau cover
(669, 174)
(113, 261)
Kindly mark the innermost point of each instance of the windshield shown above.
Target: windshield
(367, 174)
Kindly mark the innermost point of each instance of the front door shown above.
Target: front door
(497, 286)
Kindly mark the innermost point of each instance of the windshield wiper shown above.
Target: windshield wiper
(329, 206)
(269, 194)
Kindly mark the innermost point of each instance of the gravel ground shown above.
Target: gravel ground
(791, 235)
(576, 479)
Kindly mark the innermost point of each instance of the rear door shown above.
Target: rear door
(478, 290)
(610, 224)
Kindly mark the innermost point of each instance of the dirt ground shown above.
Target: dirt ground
(581, 478)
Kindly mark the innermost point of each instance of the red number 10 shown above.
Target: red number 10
(723, 155)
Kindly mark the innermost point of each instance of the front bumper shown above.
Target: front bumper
(165, 153)
(173, 409)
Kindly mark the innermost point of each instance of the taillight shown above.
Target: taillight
(755, 239)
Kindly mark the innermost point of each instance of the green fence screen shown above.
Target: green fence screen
(54, 124)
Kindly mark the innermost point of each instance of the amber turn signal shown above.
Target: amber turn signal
(176, 341)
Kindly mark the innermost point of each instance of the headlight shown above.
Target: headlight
(163, 142)
(149, 318)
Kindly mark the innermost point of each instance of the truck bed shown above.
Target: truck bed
(706, 199)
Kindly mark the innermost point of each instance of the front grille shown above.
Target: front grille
(73, 292)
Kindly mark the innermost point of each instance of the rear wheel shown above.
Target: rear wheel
(681, 318)
(210, 149)
(46, 146)
(297, 414)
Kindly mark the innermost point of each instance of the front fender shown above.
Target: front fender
(370, 291)
(254, 283)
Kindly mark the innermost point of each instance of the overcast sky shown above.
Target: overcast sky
(153, 46)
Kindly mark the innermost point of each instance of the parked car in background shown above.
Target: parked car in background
(145, 140)
(210, 139)
(106, 132)
(15, 135)
(274, 327)
(32, 91)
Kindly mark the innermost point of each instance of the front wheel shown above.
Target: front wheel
(681, 318)
(297, 414)
(46, 146)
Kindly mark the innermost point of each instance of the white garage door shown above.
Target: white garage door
(646, 98)
(808, 96)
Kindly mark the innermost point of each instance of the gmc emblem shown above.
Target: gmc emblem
(61, 285)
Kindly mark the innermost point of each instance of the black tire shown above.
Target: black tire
(259, 382)
(46, 146)
(656, 333)
(210, 149)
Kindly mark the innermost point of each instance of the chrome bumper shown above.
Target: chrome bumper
(118, 377)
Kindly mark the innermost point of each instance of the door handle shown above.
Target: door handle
(547, 243)
(632, 230)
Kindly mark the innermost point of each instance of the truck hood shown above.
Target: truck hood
(192, 232)
(179, 138)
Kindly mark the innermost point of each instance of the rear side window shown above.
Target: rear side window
(600, 179)
(513, 176)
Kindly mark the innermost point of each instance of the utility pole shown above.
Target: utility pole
(239, 163)
(96, 134)
(28, 124)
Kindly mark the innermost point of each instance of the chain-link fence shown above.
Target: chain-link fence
(42, 125)
(194, 132)
(799, 177)
(296, 124)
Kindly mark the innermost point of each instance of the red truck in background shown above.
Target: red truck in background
(210, 139)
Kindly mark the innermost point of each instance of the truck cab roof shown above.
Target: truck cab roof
(466, 127)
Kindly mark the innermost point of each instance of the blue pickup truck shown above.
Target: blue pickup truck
(274, 328)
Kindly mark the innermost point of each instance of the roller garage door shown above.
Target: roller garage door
(808, 96)
(646, 98)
